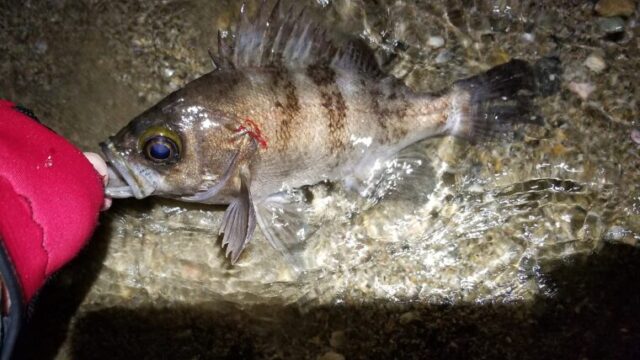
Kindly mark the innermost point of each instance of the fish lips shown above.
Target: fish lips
(123, 182)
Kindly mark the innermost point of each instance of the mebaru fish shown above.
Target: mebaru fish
(288, 106)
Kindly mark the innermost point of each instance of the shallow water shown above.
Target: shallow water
(484, 225)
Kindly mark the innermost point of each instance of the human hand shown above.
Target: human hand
(101, 167)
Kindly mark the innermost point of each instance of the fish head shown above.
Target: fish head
(180, 147)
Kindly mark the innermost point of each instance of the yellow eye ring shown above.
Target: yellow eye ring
(160, 145)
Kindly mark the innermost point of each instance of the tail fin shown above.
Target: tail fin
(490, 104)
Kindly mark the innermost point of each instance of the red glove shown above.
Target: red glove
(50, 197)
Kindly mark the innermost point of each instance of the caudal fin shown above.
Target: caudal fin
(489, 104)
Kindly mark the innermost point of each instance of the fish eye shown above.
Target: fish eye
(160, 149)
(161, 145)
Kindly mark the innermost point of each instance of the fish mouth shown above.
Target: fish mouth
(123, 182)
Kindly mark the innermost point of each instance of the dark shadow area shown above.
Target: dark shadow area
(595, 314)
(51, 310)
(50, 313)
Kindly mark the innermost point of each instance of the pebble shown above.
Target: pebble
(611, 8)
(443, 56)
(595, 63)
(635, 136)
(174, 84)
(41, 46)
(408, 317)
(611, 25)
(528, 37)
(498, 57)
(316, 340)
(615, 233)
(337, 339)
(168, 72)
(435, 41)
(558, 150)
(331, 355)
(582, 89)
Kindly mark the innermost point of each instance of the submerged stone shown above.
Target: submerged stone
(611, 25)
(595, 63)
(610, 8)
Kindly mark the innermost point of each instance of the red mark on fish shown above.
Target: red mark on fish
(252, 129)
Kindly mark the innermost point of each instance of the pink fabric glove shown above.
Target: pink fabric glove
(50, 197)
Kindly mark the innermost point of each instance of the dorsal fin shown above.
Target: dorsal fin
(289, 36)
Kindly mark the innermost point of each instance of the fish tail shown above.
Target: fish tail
(491, 103)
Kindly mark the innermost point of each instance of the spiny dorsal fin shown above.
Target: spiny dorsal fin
(289, 35)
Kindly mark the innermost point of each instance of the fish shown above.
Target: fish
(289, 105)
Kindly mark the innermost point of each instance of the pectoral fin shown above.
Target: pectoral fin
(239, 221)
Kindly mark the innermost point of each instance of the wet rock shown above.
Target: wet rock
(168, 72)
(498, 57)
(337, 339)
(611, 8)
(316, 340)
(595, 63)
(174, 84)
(613, 28)
(618, 234)
(615, 233)
(41, 46)
(409, 317)
(331, 355)
(611, 25)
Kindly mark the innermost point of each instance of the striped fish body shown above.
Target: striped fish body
(286, 108)
(320, 123)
